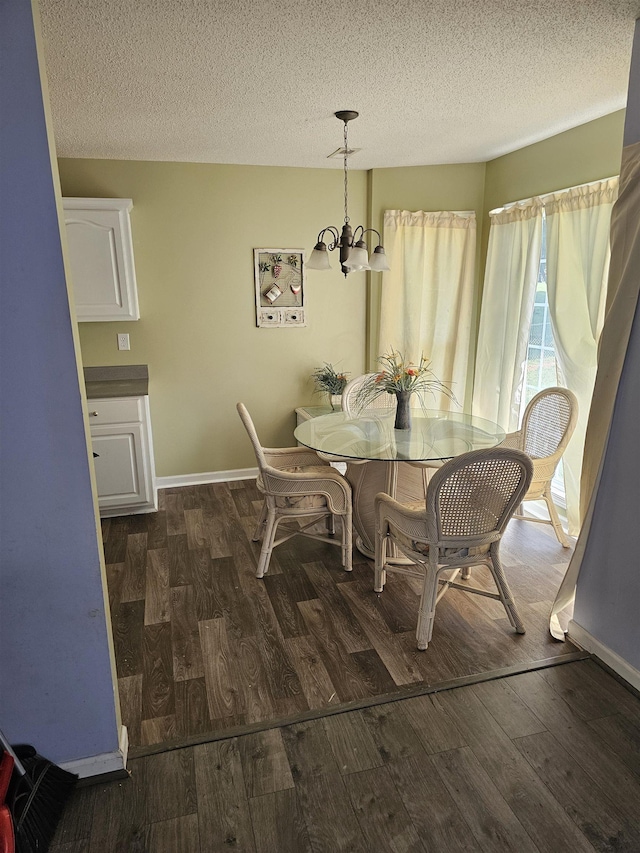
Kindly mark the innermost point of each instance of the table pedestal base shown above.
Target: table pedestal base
(404, 482)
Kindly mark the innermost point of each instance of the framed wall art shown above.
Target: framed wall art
(280, 281)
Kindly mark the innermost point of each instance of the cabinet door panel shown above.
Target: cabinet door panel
(94, 262)
(101, 258)
(119, 465)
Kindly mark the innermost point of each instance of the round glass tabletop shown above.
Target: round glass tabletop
(434, 435)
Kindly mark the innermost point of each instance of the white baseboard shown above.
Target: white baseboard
(106, 762)
(207, 477)
(613, 660)
(128, 510)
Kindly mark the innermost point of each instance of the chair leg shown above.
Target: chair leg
(465, 573)
(555, 520)
(347, 544)
(267, 543)
(262, 517)
(331, 524)
(380, 575)
(427, 611)
(505, 593)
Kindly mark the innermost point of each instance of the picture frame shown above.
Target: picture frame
(279, 276)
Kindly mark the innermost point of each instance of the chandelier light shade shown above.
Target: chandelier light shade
(354, 255)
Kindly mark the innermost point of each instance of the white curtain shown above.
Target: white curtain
(578, 223)
(427, 297)
(623, 293)
(510, 281)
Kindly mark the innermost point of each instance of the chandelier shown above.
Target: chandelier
(353, 249)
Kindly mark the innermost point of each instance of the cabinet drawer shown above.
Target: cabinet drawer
(116, 410)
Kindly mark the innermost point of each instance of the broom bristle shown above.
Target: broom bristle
(37, 807)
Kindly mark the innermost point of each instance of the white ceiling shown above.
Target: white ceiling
(242, 81)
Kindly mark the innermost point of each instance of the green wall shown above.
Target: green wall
(194, 230)
(586, 153)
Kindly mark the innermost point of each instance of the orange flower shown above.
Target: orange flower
(411, 372)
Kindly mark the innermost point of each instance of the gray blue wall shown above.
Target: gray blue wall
(608, 594)
(56, 687)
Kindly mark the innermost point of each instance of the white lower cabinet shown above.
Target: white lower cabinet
(121, 440)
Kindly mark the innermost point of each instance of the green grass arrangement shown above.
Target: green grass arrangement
(397, 375)
(328, 379)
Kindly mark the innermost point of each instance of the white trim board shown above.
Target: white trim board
(106, 762)
(207, 477)
(613, 660)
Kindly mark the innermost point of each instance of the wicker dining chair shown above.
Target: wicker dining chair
(297, 484)
(548, 424)
(350, 397)
(469, 502)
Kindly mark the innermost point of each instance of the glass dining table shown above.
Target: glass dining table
(380, 458)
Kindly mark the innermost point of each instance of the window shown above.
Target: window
(558, 243)
(541, 368)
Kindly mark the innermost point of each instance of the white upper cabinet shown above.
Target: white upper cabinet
(101, 258)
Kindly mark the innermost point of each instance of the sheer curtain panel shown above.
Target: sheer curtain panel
(623, 295)
(511, 274)
(427, 297)
(578, 223)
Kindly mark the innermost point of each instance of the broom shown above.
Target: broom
(38, 793)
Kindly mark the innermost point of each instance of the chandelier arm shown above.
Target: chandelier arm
(334, 233)
(366, 230)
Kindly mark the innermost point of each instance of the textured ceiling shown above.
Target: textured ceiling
(241, 81)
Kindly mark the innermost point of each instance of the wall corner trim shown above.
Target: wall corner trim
(178, 480)
(106, 762)
(613, 660)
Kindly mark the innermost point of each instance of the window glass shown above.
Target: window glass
(541, 369)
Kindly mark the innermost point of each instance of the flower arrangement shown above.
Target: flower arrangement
(328, 379)
(402, 378)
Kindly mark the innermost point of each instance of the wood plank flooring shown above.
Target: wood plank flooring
(203, 646)
(543, 761)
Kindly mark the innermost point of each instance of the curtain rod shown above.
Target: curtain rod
(544, 196)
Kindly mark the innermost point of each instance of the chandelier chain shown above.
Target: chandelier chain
(346, 152)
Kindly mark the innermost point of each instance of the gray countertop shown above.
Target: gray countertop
(127, 380)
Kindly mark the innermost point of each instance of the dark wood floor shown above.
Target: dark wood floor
(545, 761)
(203, 646)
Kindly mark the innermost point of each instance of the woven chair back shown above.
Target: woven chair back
(549, 421)
(350, 393)
(472, 497)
